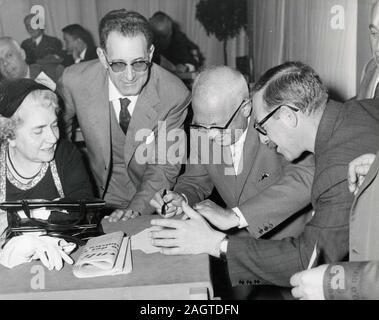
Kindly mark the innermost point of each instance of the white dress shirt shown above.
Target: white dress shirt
(237, 153)
(115, 95)
(81, 56)
(38, 40)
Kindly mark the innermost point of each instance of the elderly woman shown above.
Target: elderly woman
(34, 165)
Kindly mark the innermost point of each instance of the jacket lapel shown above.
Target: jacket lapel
(250, 149)
(368, 179)
(144, 117)
(222, 170)
(100, 106)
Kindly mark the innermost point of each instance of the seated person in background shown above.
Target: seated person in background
(359, 278)
(33, 164)
(179, 53)
(14, 66)
(261, 189)
(291, 111)
(79, 45)
(39, 45)
(369, 88)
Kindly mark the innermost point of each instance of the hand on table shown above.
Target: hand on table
(192, 236)
(122, 214)
(358, 169)
(25, 248)
(308, 284)
(221, 218)
(173, 201)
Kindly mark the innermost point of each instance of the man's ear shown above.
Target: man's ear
(100, 54)
(289, 116)
(246, 110)
(151, 52)
(23, 54)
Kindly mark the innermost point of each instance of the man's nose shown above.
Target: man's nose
(130, 73)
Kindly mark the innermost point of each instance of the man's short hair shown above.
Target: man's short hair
(128, 23)
(78, 32)
(28, 17)
(293, 82)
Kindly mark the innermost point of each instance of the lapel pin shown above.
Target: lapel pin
(264, 176)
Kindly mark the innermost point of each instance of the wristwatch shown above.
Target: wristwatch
(224, 248)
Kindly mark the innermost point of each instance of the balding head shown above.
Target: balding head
(374, 31)
(217, 94)
(12, 59)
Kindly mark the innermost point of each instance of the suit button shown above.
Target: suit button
(271, 225)
(241, 282)
(249, 282)
(260, 231)
(257, 282)
(265, 228)
(105, 168)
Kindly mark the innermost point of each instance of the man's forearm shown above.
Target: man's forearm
(352, 281)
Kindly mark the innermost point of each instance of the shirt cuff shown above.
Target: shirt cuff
(243, 222)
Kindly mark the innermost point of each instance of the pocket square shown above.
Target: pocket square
(150, 138)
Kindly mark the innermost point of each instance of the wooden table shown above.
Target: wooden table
(154, 276)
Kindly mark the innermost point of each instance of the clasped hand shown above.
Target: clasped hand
(191, 236)
(172, 200)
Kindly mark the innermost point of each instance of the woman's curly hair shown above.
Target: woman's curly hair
(45, 98)
(7, 128)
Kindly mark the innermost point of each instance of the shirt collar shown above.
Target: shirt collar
(38, 39)
(242, 138)
(83, 54)
(114, 93)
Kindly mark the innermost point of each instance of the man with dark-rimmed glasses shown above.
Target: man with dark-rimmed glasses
(117, 97)
(291, 110)
(260, 189)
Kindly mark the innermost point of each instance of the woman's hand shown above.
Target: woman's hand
(25, 248)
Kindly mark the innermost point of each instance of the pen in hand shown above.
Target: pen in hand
(163, 211)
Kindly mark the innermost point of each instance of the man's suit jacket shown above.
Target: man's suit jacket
(267, 191)
(361, 279)
(344, 133)
(84, 88)
(47, 46)
(54, 71)
(369, 81)
(90, 54)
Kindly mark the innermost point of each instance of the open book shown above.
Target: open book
(105, 255)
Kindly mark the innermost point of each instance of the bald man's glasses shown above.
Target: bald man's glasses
(199, 126)
(259, 125)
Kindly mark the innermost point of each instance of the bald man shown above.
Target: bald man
(13, 65)
(261, 190)
(369, 88)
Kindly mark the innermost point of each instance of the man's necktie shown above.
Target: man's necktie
(376, 94)
(124, 114)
